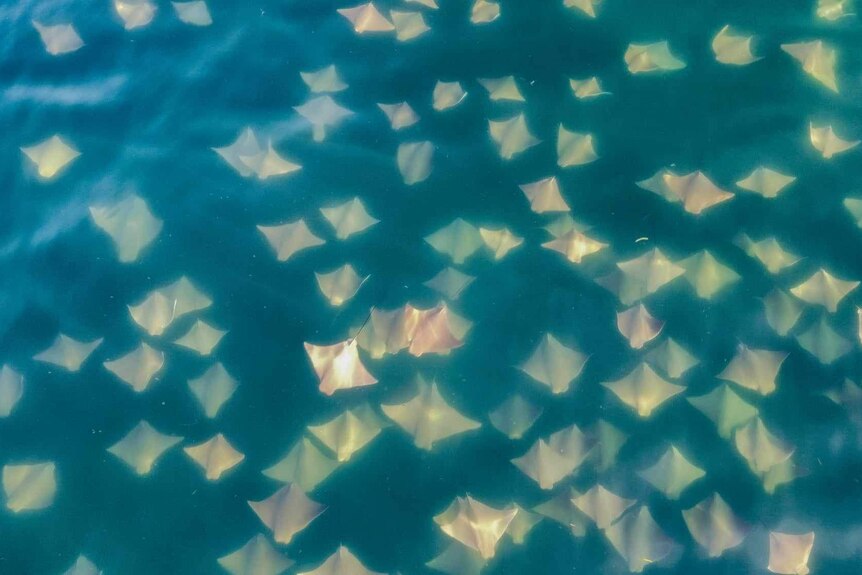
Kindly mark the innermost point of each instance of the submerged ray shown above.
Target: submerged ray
(671, 358)
(432, 4)
(638, 326)
(725, 408)
(512, 136)
(29, 487)
(256, 557)
(484, 11)
(762, 450)
(608, 441)
(854, 206)
(400, 115)
(68, 353)
(560, 509)
(574, 148)
(135, 13)
(213, 389)
(822, 288)
(639, 539)
(554, 364)
(549, 462)
(789, 553)
(324, 81)
(672, 473)
(643, 390)
(766, 182)
(449, 282)
(11, 390)
(290, 238)
(754, 369)
(385, 332)
(138, 367)
(287, 512)
(500, 241)
(714, 525)
(730, 48)
(434, 330)
(602, 506)
(458, 240)
(215, 456)
(695, 190)
(342, 562)
(338, 366)
(201, 338)
(575, 246)
(782, 311)
(447, 95)
(428, 417)
(475, 524)
(130, 224)
(833, 10)
(707, 275)
(823, 342)
(817, 59)
(768, 252)
(587, 88)
(348, 432)
(544, 196)
(195, 13)
(502, 89)
(655, 57)
(142, 446)
(348, 218)
(588, 7)
(642, 276)
(521, 526)
(366, 18)
(50, 156)
(322, 112)
(408, 25)
(827, 142)
(83, 566)
(515, 416)
(339, 285)
(249, 158)
(58, 39)
(162, 306)
(305, 465)
(414, 161)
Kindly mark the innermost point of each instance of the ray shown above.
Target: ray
(130, 224)
(268, 163)
(754, 369)
(432, 4)
(138, 367)
(642, 276)
(241, 152)
(290, 238)
(602, 506)
(414, 161)
(515, 416)
(766, 182)
(575, 246)
(142, 446)
(822, 341)
(366, 18)
(544, 196)
(512, 136)
(500, 241)
(822, 288)
(447, 95)
(339, 285)
(135, 13)
(201, 338)
(29, 487)
(50, 156)
(215, 456)
(457, 559)
(59, 39)
(560, 509)
(562, 224)
(503, 89)
(338, 366)
(322, 112)
(348, 218)
(484, 11)
(449, 282)
(458, 240)
(672, 473)
(408, 25)
(554, 364)
(475, 524)
(732, 49)
(287, 512)
(256, 557)
(83, 566)
(707, 275)
(521, 525)
(549, 462)
(11, 390)
(768, 252)
(826, 142)
(213, 389)
(434, 330)
(643, 390)
(194, 13)
(587, 88)
(348, 432)
(671, 358)
(324, 81)
(608, 441)
(639, 540)
(342, 562)
(574, 148)
(782, 311)
(587, 7)
(725, 408)
(161, 307)
(695, 190)
(656, 57)
(832, 10)
(304, 465)
(817, 59)
(385, 332)
(854, 206)
(714, 525)
(428, 417)
(400, 115)
(759, 447)
(789, 553)
(638, 326)
(68, 353)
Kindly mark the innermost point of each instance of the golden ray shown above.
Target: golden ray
(575, 246)
(322, 112)
(520, 526)
(269, 163)
(434, 330)
(732, 49)
(821, 341)
(643, 390)
(544, 196)
(59, 39)
(408, 25)
(484, 11)
(817, 59)
(608, 441)
(68, 353)
(142, 446)
(215, 456)
(348, 218)
(822, 288)
(502, 89)
(366, 18)
(574, 148)
(385, 332)
(782, 311)
(768, 252)
(256, 557)
(449, 282)
(348, 432)
(854, 206)
(213, 389)
(195, 13)
(161, 307)
(135, 13)
(789, 553)
(761, 449)
(706, 275)
(304, 465)
(696, 191)
(549, 462)
(339, 285)
(672, 473)
(563, 224)
(588, 7)
(833, 10)
(324, 81)
(501, 241)
(83, 566)
(475, 524)
(639, 540)
(638, 326)
(725, 408)
(249, 158)
(414, 161)
(287, 512)
(512, 136)
(201, 338)
(290, 238)
(587, 88)
(342, 562)
(29, 487)
(714, 525)
(827, 142)
(655, 57)
(766, 182)
(458, 559)
(754, 369)
(50, 156)
(338, 366)
(642, 276)
(130, 224)
(400, 115)
(447, 95)
(515, 416)
(554, 364)
(458, 240)
(138, 367)
(11, 390)
(671, 358)
(602, 506)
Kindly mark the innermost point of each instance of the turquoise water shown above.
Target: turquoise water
(145, 107)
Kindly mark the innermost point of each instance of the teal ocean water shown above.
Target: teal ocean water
(145, 107)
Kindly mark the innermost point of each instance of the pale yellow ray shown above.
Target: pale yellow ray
(475, 524)
(587, 88)
(817, 59)
(502, 89)
(68, 353)
(458, 240)
(639, 540)
(725, 408)
(638, 326)
(544, 465)
(822, 288)
(414, 161)
(714, 525)
(768, 252)
(287, 512)
(608, 441)
(833, 10)
(789, 553)
(322, 112)
(854, 206)
(554, 364)
(575, 246)
(385, 332)
(338, 366)
(695, 190)
(458, 559)
(574, 148)
(655, 57)
(290, 238)
(766, 182)
(83, 566)
(826, 142)
(348, 218)
(754, 369)
(58, 39)
(759, 447)
(324, 81)
(366, 18)
(161, 307)
(256, 557)
(671, 358)
(239, 153)
(707, 275)
(511, 136)
(304, 465)
(339, 285)
(214, 456)
(484, 11)
(500, 241)
(213, 389)
(268, 163)
(400, 115)
(588, 7)
(432, 4)
(672, 473)
(544, 196)
(129, 223)
(519, 527)
(447, 95)
(449, 282)
(50, 156)
(823, 342)
(135, 13)
(642, 276)
(342, 562)
(201, 338)
(782, 311)
(643, 390)
(408, 25)
(602, 506)
(348, 432)
(515, 416)
(11, 390)
(138, 367)
(29, 487)
(730, 48)
(194, 13)
(142, 446)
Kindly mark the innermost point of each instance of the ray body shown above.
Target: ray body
(400, 115)
(512, 136)
(695, 190)
(549, 462)
(655, 57)
(83, 566)
(290, 238)
(161, 307)
(338, 366)
(766, 182)
(414, 161)
(832, 10)
(475, 524)
(587, 88)
(59, 39)
(789, 553)
(638, 326)
(201, 338)
(725, 408)
(449, 282)
(29, 487)
(256, 557)
(304, 465)
(554, 364)
(11, 390)
(287, 512)
(828, 143)
(575, 246)
(762, 450)
(68, 353)
(500, 241)
(768, 252)
(348, 432)
(135, 13)
(215, 456)
(324, 81)
(642, 276)
(484, 11)
(587, 7)
(213, 389)
(515, 416)
(854, 207)
(322, 112)
(342, 562)
(732, 49)
(817, 60)
(672, 473)
(249, 158)
(643, 389)
(458, 240)
(339, 285)
(366, 19)
(714, 525)
(142, 446)
(822, 288)
(408, 25)
(138, 367)
(754, 369)
(194, 13)
(130, 224)
(574, 148)
(607, 440)
(503, 89)
(544, 196)
(782, 311)
(602, 506)
(447, 95)
(348, 218)
(707, 275)
(671, 358)
(50, 156)
(823, 342)
(639, 540)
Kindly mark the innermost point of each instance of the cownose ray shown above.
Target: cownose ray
(338, 366)
(290, 238)
(544, 196)
(194, 13)
(256, 557)
(414, 161)
(825, 141)
(639, 277)
(484, 11)
(695, 190)
(833, 10)
(161, 307)
(432, 4)
(515, 416)
(766, 182)
(385, 332)
(408, 24)
(520, 526)
(215, 456)
(789, 553)
(341, 562)
(428, 417)
(575, 246)
(671, 358)
(854, 207)
(500, 241)
(560, 509)
(762, 450)
(554, 365)
(366, 19)
(348, 432)
(135, 13)
(11, 390)
(754, 369)
(249, 158)
(449, 282)
(725, 408)
(400, 115)
(643, 389)
(68, 353)
(655, 57)
(348, 218)
(587, 88)
(549, 462)
(638, 326)
(848, 396)
(339, 285)
(29, 487)
(503, 89)
(817, 59)
(639, 539)
(434, 330)
(475, 524)
(129, 223)
(142, 446)
(587, 7)
(822, 288)
(672, 473)
(269, 163)
(138, 367)
(607, 441)
(58, 39)
(287, 512)
(511, 136)
(458, 240)
(823, 342)
(707, 275)
(201, 338)
(604, 507)
(322, 112)
(730, 48)
(50, 156)
(212, 389)
(714, 525)
(782, 311)
(305, 465)
(447, 95)
(574, 148)
(768, 252)
(83, 566)
(324, 81)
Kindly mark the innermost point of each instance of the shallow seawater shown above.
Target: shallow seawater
(145, 107)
